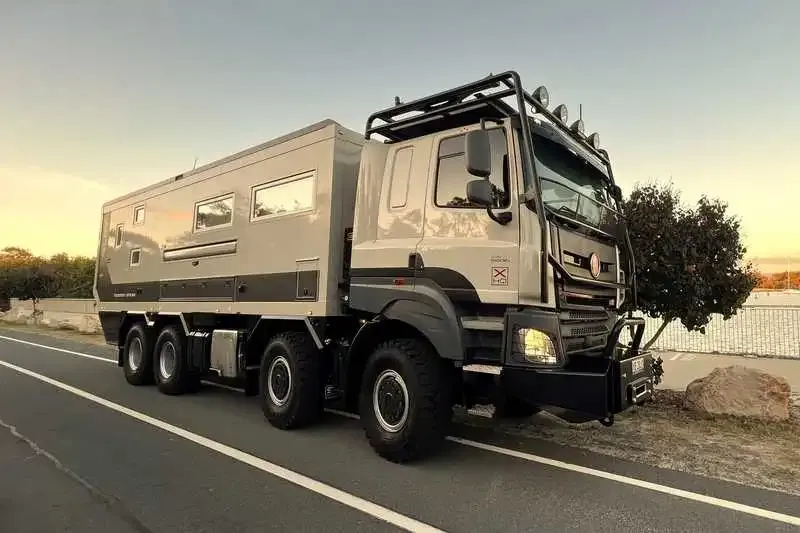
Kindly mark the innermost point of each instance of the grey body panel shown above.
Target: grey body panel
(424, 306)
(274, 264)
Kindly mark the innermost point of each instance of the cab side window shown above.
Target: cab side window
(452, 176)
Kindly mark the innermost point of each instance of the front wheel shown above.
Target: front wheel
(406, 400)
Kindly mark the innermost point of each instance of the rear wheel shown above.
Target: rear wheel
(137, 355)
(170, 367)
(406, 400)
(290, 381)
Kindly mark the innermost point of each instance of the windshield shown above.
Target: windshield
(572, 186)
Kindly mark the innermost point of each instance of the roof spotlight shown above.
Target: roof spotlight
(594, 140)
(561, 113)
(542, 96)
(578, 127)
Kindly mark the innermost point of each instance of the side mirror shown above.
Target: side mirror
(479, 192)
(616, 192)
(478, 153)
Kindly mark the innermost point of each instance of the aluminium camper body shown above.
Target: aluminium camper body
(472, 254)
(249, 234)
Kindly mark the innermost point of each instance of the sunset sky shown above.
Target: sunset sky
(99, 98)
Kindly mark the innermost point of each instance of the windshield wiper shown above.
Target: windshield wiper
(572, 213)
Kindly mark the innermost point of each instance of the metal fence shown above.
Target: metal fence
(754, 330)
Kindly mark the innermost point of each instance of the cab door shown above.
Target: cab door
(471, 257)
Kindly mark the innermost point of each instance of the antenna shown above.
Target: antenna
(580, 111)
(195, 163)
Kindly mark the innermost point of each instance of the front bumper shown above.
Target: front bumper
(598, 386)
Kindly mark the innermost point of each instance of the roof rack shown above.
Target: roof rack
(462, 106)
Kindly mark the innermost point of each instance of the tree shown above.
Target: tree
(689, 261)
(29, 277)
(23, 276)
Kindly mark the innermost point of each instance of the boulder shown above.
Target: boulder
(740, 391)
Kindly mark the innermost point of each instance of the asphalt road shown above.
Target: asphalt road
(80, 450)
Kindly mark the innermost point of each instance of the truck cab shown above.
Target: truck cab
(498, 236)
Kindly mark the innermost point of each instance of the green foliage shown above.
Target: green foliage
(689, 261)
(29, 277)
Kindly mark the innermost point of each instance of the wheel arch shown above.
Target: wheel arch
(369, 336)
(268, 326)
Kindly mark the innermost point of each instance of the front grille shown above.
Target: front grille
(592, 330)
(585, 331)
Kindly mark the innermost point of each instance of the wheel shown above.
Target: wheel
(406, 402)
(170, 366)
(137, 355)
(290, 383)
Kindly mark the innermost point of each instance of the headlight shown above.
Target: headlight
(578, 127)
(537, 347)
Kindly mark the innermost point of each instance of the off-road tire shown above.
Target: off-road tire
(181, 380)
(303, 401)
(428, 381)
(139, 336)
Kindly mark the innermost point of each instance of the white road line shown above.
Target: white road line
(79, 354)
(694, 496)
(382, 513)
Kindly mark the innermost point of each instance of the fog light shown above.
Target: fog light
(537, 347)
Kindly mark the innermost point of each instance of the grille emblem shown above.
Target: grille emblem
(594, 265)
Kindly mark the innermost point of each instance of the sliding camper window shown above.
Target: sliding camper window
(214, 213)
(284, 197)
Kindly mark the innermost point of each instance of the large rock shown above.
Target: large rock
(740, 391)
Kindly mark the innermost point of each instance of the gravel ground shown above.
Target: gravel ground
(664, 434)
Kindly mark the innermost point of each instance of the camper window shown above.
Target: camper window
(136, 257)
(293, 195)
(214, 213)
(138, 215)
(118, 236)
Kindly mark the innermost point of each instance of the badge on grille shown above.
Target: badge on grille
(594, 265)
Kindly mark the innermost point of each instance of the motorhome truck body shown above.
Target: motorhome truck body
(392, 277)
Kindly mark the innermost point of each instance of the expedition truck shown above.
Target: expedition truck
(460, 252)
